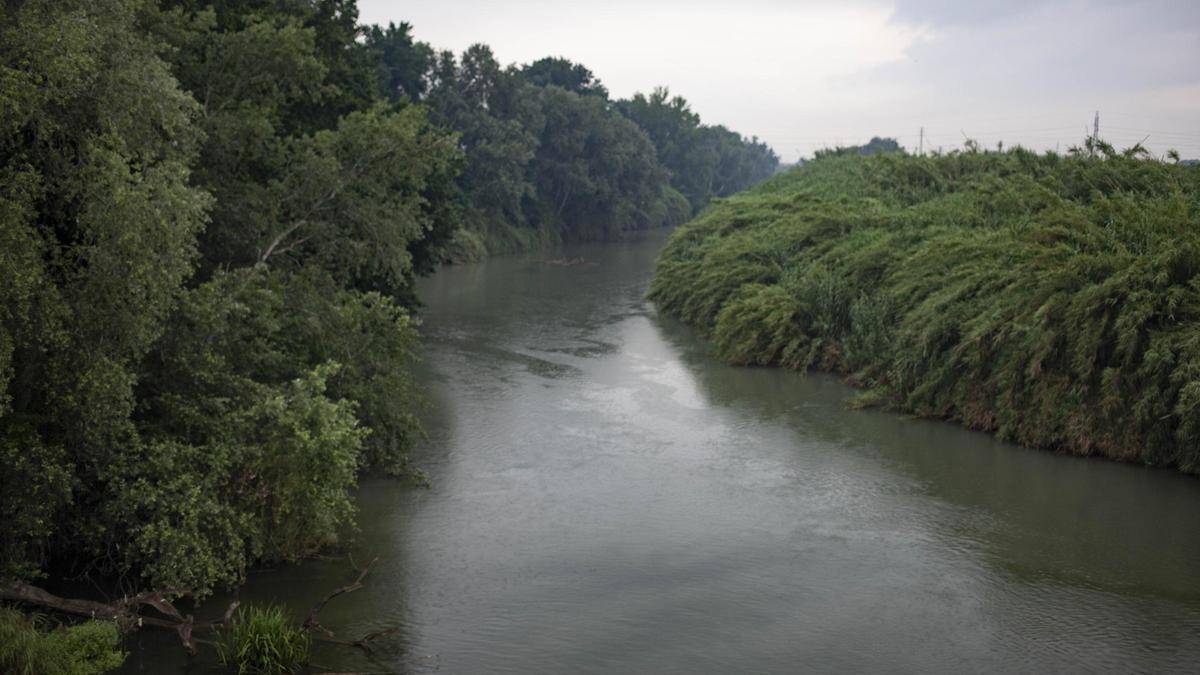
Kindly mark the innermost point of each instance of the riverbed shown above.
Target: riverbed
(607, 497)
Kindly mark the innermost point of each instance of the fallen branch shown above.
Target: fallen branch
(126, 611)
(311, 621)
(326, 635)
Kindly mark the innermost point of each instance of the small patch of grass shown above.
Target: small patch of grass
(262, 641)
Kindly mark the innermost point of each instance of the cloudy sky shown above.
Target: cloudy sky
(804, 75)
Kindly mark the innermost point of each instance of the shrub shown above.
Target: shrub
(262, 641)
(26, 648)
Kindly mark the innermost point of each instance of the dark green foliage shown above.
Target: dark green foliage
(550, 158)
(561, 73)
(208, 224)
(1055, 301)
(99, 223)
(547, 159)
(402, 65)
(703, 161)
(28, 647)
(262, 641)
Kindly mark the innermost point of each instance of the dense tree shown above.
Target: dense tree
(704, 161)
(99, 223)
(549, 158)
(596, 172)
(560, 72)
(1052, 300)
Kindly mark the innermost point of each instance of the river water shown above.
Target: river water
(606, 497)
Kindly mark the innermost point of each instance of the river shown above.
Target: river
(607, 497)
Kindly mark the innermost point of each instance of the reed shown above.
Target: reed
(1053, 300)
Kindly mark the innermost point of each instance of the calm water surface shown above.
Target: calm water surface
(606, 497)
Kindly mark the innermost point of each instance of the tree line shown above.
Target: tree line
(211, 218)
(550, 157)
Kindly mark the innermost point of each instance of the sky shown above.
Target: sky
(803, 75)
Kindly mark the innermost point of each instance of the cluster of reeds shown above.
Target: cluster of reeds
(1054, 300)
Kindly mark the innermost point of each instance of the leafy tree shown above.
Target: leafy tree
(169, 429)
(101, 218)
(560, 72)
(1052, 300)
(402, 64)
(704, 161)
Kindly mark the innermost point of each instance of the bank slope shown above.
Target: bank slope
(1052, 300)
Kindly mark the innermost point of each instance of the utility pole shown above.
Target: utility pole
(1096, 126)
(921, 143)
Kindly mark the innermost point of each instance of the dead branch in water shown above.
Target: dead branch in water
(126, 612)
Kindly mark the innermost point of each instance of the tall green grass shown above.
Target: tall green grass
(30, 645)
(262, 641)
(1054, 300)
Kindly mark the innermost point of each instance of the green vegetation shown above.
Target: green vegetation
(29, 647)
(1053, 300)
(550, 158)
(210, 242)
(211, 219)
(704, 161)
(262, 641)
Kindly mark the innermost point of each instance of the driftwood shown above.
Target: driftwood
(126, 612)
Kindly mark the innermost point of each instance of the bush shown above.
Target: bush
(88, 648)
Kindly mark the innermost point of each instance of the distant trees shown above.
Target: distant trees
(560, 72)
(703, 161)
(548, 155)
(876, 146)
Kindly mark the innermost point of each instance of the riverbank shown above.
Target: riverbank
(1054, 301)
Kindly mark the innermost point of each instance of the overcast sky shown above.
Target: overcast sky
(804, 75)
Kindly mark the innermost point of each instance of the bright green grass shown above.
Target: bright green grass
(262, 641)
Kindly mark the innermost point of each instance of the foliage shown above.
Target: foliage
(550, 158)
(547, 159)
(99, 222)
(876, 146)
(262, 641)
(703, 161)
(560, 72)
(209, 229)
(1052, 300)
(29, 648)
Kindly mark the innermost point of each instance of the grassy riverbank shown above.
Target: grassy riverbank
(1053, 300)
